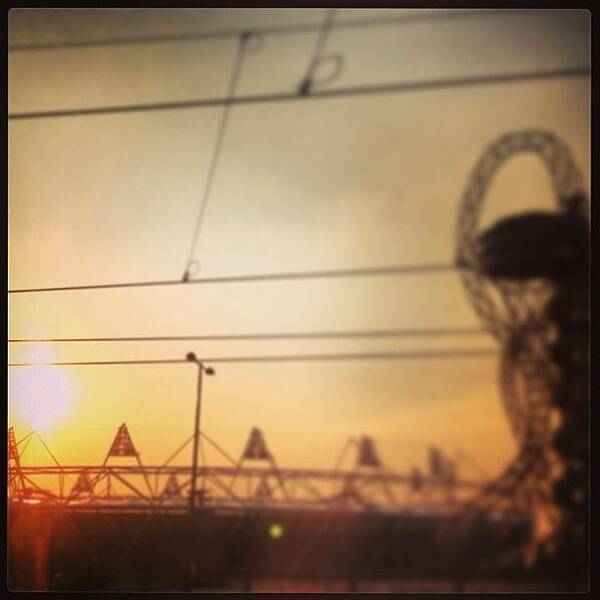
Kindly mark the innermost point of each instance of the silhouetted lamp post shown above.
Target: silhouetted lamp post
(209, 371)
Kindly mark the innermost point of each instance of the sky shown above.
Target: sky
(342, 182)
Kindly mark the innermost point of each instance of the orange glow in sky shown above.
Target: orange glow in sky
(41, 396)
(335, 183)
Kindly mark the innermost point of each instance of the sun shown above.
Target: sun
(41, 397)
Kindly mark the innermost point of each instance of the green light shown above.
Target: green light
(276, 530)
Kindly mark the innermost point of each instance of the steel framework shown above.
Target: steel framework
(95, 524)
(254, 480)
(513, 273)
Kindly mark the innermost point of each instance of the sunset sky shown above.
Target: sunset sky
(319, 184)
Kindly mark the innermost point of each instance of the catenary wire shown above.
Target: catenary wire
(320, 44)
(393, 87)
(266, 30)
(288, 335)
(412, 355)
(214, 161)
(387, 270)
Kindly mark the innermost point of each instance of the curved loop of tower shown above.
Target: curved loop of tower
(514, 273)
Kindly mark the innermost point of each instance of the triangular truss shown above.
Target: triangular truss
(83, 484)
(368, 470)
(122, 444)
(367, 454)
(441, 467)
(171, 489)
(263, 489)
(256, 448)
(15, 482)
(416, 479)
(13, 452)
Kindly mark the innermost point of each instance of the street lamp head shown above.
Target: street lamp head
(191, 357)
(209, 371)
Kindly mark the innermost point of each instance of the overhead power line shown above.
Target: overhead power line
(214, 161)
(268, 30)
(413, 355)
(394, 87)
(289, 335)
(388, 270)
(319, 46)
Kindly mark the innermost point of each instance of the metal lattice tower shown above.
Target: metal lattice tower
(256, 448)
(513, 291)
(172, 488)
(122, 444)
(367, 453)
(16, 481)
